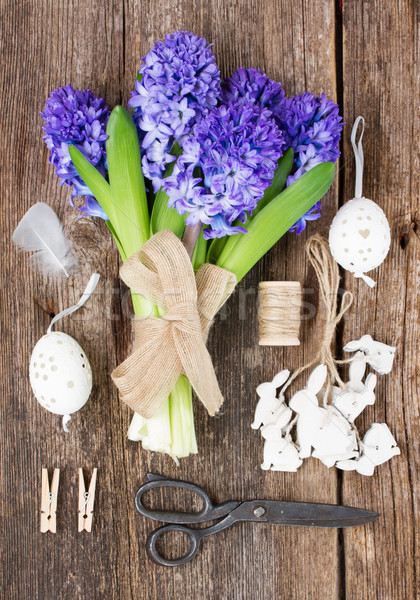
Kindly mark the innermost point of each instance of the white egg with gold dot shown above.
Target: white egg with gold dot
(60, 374)
(360, 237)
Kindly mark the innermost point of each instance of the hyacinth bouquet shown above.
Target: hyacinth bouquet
(227, 166)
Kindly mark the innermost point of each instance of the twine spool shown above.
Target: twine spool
(279, 313)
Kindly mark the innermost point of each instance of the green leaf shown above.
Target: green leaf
(97, 184)
(215, 248)
(131, 214)
(284, 166)
(117, 241)
(164, 217)
(242, 251)
(99, 187)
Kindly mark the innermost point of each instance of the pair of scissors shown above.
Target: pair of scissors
(257, 511)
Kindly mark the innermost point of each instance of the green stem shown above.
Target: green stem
(182, 419)
(141, 306)
(172, 429)
(200, 252)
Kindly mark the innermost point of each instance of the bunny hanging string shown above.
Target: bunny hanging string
(328, 276)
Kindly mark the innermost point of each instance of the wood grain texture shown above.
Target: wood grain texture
(383, 561)
(371, 68)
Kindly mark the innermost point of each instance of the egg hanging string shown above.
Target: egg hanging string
(328, 276)
(358, 156)
(90, 288)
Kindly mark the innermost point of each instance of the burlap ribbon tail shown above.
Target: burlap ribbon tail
(166, 347)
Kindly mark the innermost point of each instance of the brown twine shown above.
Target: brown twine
(279, 313)
(328, 276)
(166, 347)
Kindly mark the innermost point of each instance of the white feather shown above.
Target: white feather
(40, 231)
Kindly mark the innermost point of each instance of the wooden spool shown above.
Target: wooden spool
(279, 313)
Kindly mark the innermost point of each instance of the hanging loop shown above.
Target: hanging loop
(358, 155)
(93, 282)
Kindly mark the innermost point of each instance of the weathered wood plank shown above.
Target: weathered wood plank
(230, 452)
(381, 83)
(100, 46)
(48, 44)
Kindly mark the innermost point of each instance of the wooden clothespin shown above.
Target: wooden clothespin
(86, 500)
(49, 501)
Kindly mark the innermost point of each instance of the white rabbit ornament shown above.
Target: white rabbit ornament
(378, 355)
(326, 431)
(323, 429)
(378, 447)
(357, 395)
(268, 404)
(280, 453)
(305, 404)
(335, 440)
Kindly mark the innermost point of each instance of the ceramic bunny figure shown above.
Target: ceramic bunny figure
(326, 430)
(305, 404)
(378, 355)
(280, 453)
(269, 405)
(378, 446)
(335, 440)
(357, 395)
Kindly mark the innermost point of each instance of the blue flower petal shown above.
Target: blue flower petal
(180, 84)
(92, 208)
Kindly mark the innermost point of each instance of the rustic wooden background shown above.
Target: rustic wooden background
(362, 53)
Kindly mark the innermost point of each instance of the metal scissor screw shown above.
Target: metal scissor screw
(259, 511)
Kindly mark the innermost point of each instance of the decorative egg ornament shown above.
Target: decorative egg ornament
(60, 374)
(359, 235)
(59, 371)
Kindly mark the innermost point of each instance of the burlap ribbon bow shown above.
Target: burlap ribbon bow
(176, 343)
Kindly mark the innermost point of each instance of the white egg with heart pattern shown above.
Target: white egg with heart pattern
(360, 236)
(60, 374)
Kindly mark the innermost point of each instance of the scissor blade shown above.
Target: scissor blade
(303, 514)
(155, 477)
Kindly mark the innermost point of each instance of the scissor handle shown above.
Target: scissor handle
(208, 512)
(194, 535)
